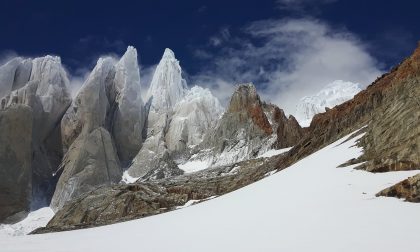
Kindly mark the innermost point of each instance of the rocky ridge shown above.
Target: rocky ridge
(244, 131)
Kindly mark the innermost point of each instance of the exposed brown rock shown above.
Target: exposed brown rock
(390, 108)
(246, 102)
(408, 189)
(108, 205)
(288, 130)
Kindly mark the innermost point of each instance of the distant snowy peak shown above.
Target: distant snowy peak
(330, 96)
(167, 86)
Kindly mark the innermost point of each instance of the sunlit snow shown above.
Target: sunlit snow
(310, 206)
(34, 220)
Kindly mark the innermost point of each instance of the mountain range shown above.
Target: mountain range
(107, 155)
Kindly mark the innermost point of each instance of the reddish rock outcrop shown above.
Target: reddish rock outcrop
(408, 189)
(246, 102)
(288, 130)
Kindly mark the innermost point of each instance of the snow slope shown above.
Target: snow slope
(330, 96)
(311, 206)
(34, 220)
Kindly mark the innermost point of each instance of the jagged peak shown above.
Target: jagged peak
(131, 52)
(168, 54)
(53, 58)
(167, 86)
(243, 96)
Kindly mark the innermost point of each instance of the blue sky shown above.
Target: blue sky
(288, 48)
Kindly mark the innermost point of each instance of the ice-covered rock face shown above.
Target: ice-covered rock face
(193, 116)
(130, 115)
(107, 111)
(331, 95)
(178, 118)
(167, 86)
(41, 84)
(7, 75)
(110, 97)
(89, 109)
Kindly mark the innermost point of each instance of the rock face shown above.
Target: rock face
(242, 132)
(89, 109)
(166, 89)
(110, 98)
(14, 74)
(108, 108)
(288, 130)
(130, 114)
(192, 116)
(42, 84)
(90, 162)
(15, 162)
(331, 95)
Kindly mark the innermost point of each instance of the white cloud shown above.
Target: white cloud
(221, 37)
(77, 79)
(7, 55)
(288, 59)
(146, 75)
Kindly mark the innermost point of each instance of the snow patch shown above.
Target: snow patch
(272, 153)
(127, 179)
(34, 220)
(193, 166)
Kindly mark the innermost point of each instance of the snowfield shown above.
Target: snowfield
(310, 206)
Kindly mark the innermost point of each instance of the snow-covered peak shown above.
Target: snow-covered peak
(330, 96)
(167, 86)
(129, 119)
(127, 73)
(168, 54)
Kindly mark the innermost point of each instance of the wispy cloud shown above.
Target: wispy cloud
(6, 55)
(288, 59)
(220, 38)
(302, 6)
(146, 75)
